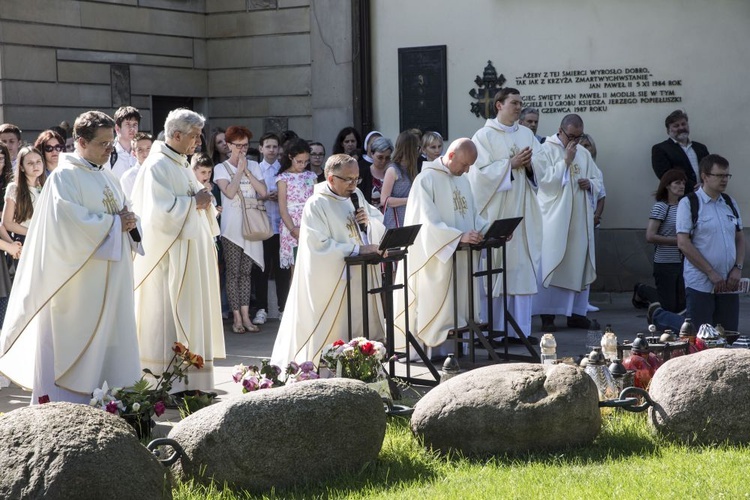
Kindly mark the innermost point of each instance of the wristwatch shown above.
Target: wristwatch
(738, 266)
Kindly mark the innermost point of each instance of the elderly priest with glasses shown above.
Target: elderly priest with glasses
(337, 223)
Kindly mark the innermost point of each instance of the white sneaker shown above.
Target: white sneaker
(592, 308)
(260, 317)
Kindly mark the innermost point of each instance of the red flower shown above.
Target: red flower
(179, 348)
(43, 399)
(159, 408)
(338, 343)
(367, 348)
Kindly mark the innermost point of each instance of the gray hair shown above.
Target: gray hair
(336, 162)
(380, 145)
(528, 111)
(182, 120)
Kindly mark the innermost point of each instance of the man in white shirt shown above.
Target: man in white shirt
(127, 121)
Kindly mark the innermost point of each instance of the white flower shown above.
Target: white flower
(100, 393)
(94, 401)
(136, 406)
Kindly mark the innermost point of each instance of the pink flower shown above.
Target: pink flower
(238, 372)
(112, 407)
(250, 383)
(265, 383)
(43, 399)
(307, 376)
(307, 367)
(292, 369)
(159, 408)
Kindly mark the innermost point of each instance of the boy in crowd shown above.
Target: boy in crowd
(269, 149)
(127, 121)
(141, 147)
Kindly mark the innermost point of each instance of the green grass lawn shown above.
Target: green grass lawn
(625, 461)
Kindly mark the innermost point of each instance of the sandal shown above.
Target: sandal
(251, 328)
(238, 328)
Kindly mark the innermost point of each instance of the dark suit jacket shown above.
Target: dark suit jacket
(668, 154)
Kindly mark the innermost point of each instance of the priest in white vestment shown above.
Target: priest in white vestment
(568, 192)
(70, 324)
(504, 182)
(316, 313)
(441, 201)
(177, 295)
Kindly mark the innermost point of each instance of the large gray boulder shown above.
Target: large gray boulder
(65, 450)
(703, 398)
(509, 409)
(306, 431)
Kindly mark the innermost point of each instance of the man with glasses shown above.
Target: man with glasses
(70, 324)
(714, 247)
(568, 191)
(127, 121)
(331, 229)
(504, 182)
(177, 279)
(678, 151)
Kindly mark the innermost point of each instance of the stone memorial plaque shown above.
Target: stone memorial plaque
(423, 89)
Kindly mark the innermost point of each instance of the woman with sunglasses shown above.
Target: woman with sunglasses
(50, 144)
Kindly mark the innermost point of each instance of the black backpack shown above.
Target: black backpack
(694, 206)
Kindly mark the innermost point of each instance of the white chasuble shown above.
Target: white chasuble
(315, 314)
(177, 280)
(501, 192)
(568, 254)
(72, 303)
(444, 205)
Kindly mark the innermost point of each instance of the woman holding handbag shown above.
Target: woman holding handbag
(398, 179)
(240, 182)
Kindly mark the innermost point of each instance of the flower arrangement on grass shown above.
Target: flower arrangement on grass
(267, 376)
(141, 399)
(360, 359)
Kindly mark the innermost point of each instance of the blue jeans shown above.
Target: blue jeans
(713, 308)
(664, 319)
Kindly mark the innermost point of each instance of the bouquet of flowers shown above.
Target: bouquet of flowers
(267, 376)
(359, 359)
(141, 398)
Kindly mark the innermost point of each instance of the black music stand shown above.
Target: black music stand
(394, 244)
(496, 237)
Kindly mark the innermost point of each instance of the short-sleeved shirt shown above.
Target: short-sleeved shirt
(713, 236)
(231, 215)
(667, 215)
(272, 207)
(11, 194)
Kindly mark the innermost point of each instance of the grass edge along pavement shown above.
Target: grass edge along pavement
(625, 459)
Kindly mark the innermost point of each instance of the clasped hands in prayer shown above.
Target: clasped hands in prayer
(522, 159)
(202, 199)
(127, 219)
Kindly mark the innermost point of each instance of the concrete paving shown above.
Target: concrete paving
(616, 310)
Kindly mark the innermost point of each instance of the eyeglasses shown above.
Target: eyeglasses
(103, 144)
(57, 147)
(356, 180)
(243, 147)
(722, 176)
(571, 137)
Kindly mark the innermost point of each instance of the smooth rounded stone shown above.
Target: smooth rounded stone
(305, 431)
(65, 450)
(703, 398)
(510, 408)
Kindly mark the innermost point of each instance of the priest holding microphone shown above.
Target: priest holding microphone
(337, 222)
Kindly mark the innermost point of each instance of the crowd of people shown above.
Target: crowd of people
(128, 243)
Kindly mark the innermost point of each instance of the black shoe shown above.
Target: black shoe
(548, 323)
(578, 321)
(517, 341)
(637, 301)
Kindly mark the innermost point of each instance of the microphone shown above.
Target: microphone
(355, 202)
(135, 235)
